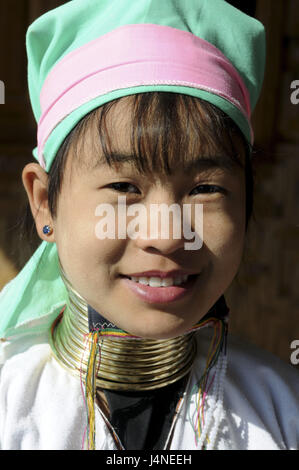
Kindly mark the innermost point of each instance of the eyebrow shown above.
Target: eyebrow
(223, 162)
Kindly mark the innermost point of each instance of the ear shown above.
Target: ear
(35, 181)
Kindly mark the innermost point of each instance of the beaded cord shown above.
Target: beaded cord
(208, 417)
(215, 412)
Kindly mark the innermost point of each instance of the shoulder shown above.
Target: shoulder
(262, 396)
(255, 367)
(18, 348)
(41, 404)
(252, 367)
(21, 360)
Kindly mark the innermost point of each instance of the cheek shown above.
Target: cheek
(224, 235)
(81, 252)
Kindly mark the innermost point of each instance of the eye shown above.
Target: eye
(208, 189)
(124, 187)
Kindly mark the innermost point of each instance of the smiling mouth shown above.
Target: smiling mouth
(155, 281)
(156, 290)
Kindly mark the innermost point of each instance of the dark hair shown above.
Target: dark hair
(167, 128)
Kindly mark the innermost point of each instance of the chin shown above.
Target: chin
(160, 331)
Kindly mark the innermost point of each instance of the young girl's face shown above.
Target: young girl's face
(97, 267)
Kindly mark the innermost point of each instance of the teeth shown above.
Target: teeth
(158, 282)
(155, 282)
(167, 281)
(142, 280)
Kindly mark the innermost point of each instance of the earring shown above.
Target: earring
(47, 230)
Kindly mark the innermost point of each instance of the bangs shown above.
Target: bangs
(167, 130)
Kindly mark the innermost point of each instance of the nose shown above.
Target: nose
(161, 228)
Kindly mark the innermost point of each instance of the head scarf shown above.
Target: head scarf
(89, 52)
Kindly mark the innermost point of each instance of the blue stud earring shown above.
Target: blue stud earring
(47, 230)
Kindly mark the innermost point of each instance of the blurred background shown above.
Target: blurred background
(264, 296)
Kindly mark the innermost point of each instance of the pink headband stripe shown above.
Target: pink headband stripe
(149, 55)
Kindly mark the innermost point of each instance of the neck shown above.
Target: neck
(124, 361)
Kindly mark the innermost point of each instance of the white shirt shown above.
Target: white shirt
(42, 406)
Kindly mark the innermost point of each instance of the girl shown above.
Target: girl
(103, 339)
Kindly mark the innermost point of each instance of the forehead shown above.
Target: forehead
(151, 139)
(87, 149)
